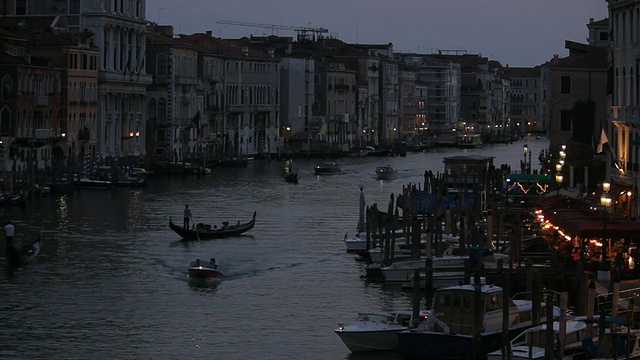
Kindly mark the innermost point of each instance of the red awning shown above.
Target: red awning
(574, 217)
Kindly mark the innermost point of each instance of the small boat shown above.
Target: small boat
(355, 243)
(329, 167)
(449, 332)
(291, 177)
(376, 331)
(288, 173)
(23, 255)
(206, 232)
(531, 344)
(204, 269)
(385, 172)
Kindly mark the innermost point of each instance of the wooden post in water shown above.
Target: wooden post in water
(562, 323)
(478, 312)
(506, 344)
(416, 297)
(550, 337)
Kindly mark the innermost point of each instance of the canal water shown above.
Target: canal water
(111, 282)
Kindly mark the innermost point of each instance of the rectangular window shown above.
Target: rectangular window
(565, 84)
(84, 61)
(565, 120)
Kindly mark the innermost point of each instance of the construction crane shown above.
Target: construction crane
(304, 33)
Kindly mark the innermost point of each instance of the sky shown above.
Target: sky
(518, 33)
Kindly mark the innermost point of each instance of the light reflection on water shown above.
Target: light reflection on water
(111, 280)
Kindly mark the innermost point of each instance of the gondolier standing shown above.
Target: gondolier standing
(187, 216)
(9, 232)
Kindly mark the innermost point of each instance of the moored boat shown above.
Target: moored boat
(450, 332)
(376, 331)
(386, 172)
(206, 232)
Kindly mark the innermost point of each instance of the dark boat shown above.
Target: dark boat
(385, 172)
(326, 168)
(204, 270)
(17, 257)
(205, 232)
(288, 173)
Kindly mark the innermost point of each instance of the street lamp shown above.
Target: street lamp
(605, 201)
(525, 167)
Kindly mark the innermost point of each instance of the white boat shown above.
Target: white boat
(375, 331)
(450, 266)
(355, 243)
(204, 270)
(449, 332)
(386, 172)
(531, 344)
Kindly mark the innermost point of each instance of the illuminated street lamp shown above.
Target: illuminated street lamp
(525, 166)
(558, 167)
(605, 201)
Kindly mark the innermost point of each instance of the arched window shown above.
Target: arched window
(162, 109)
(7, 88)
(151, 110)
(161, 65)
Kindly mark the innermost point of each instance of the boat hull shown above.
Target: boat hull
(375, 340)
(201, 272)
(234, 230)
(418, 345)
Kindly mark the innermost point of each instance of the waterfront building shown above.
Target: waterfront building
(623, 122)
(408, 103)
(440, 81)
(175, 100)
(118, 29)
(581, 76)
(297, 97)
(524, 95)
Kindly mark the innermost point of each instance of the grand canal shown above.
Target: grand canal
(111, 283)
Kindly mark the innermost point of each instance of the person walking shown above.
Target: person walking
(187, 216)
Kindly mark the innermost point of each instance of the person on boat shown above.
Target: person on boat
(197, 262)
(213, 263)
(187, 216)
(9, 232)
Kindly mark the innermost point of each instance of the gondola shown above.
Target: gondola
(205, 232)
(21, 256)
(291, 177)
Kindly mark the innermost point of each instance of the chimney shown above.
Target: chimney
(209, 33)
(245, 51)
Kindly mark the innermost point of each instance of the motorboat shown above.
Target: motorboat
(450, 332)
(386, 172)
(355, 243)
(328, 167)
(578, 337)
(449, 266)
(204, 269)
(376, 331)
(20, 256)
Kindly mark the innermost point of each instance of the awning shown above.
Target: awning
(575, 217)
(615, 192)
(541, 178)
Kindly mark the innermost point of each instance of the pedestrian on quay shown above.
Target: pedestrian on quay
(187, 216)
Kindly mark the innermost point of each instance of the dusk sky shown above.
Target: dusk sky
(514, 32)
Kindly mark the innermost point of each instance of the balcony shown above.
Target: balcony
(625, 114)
